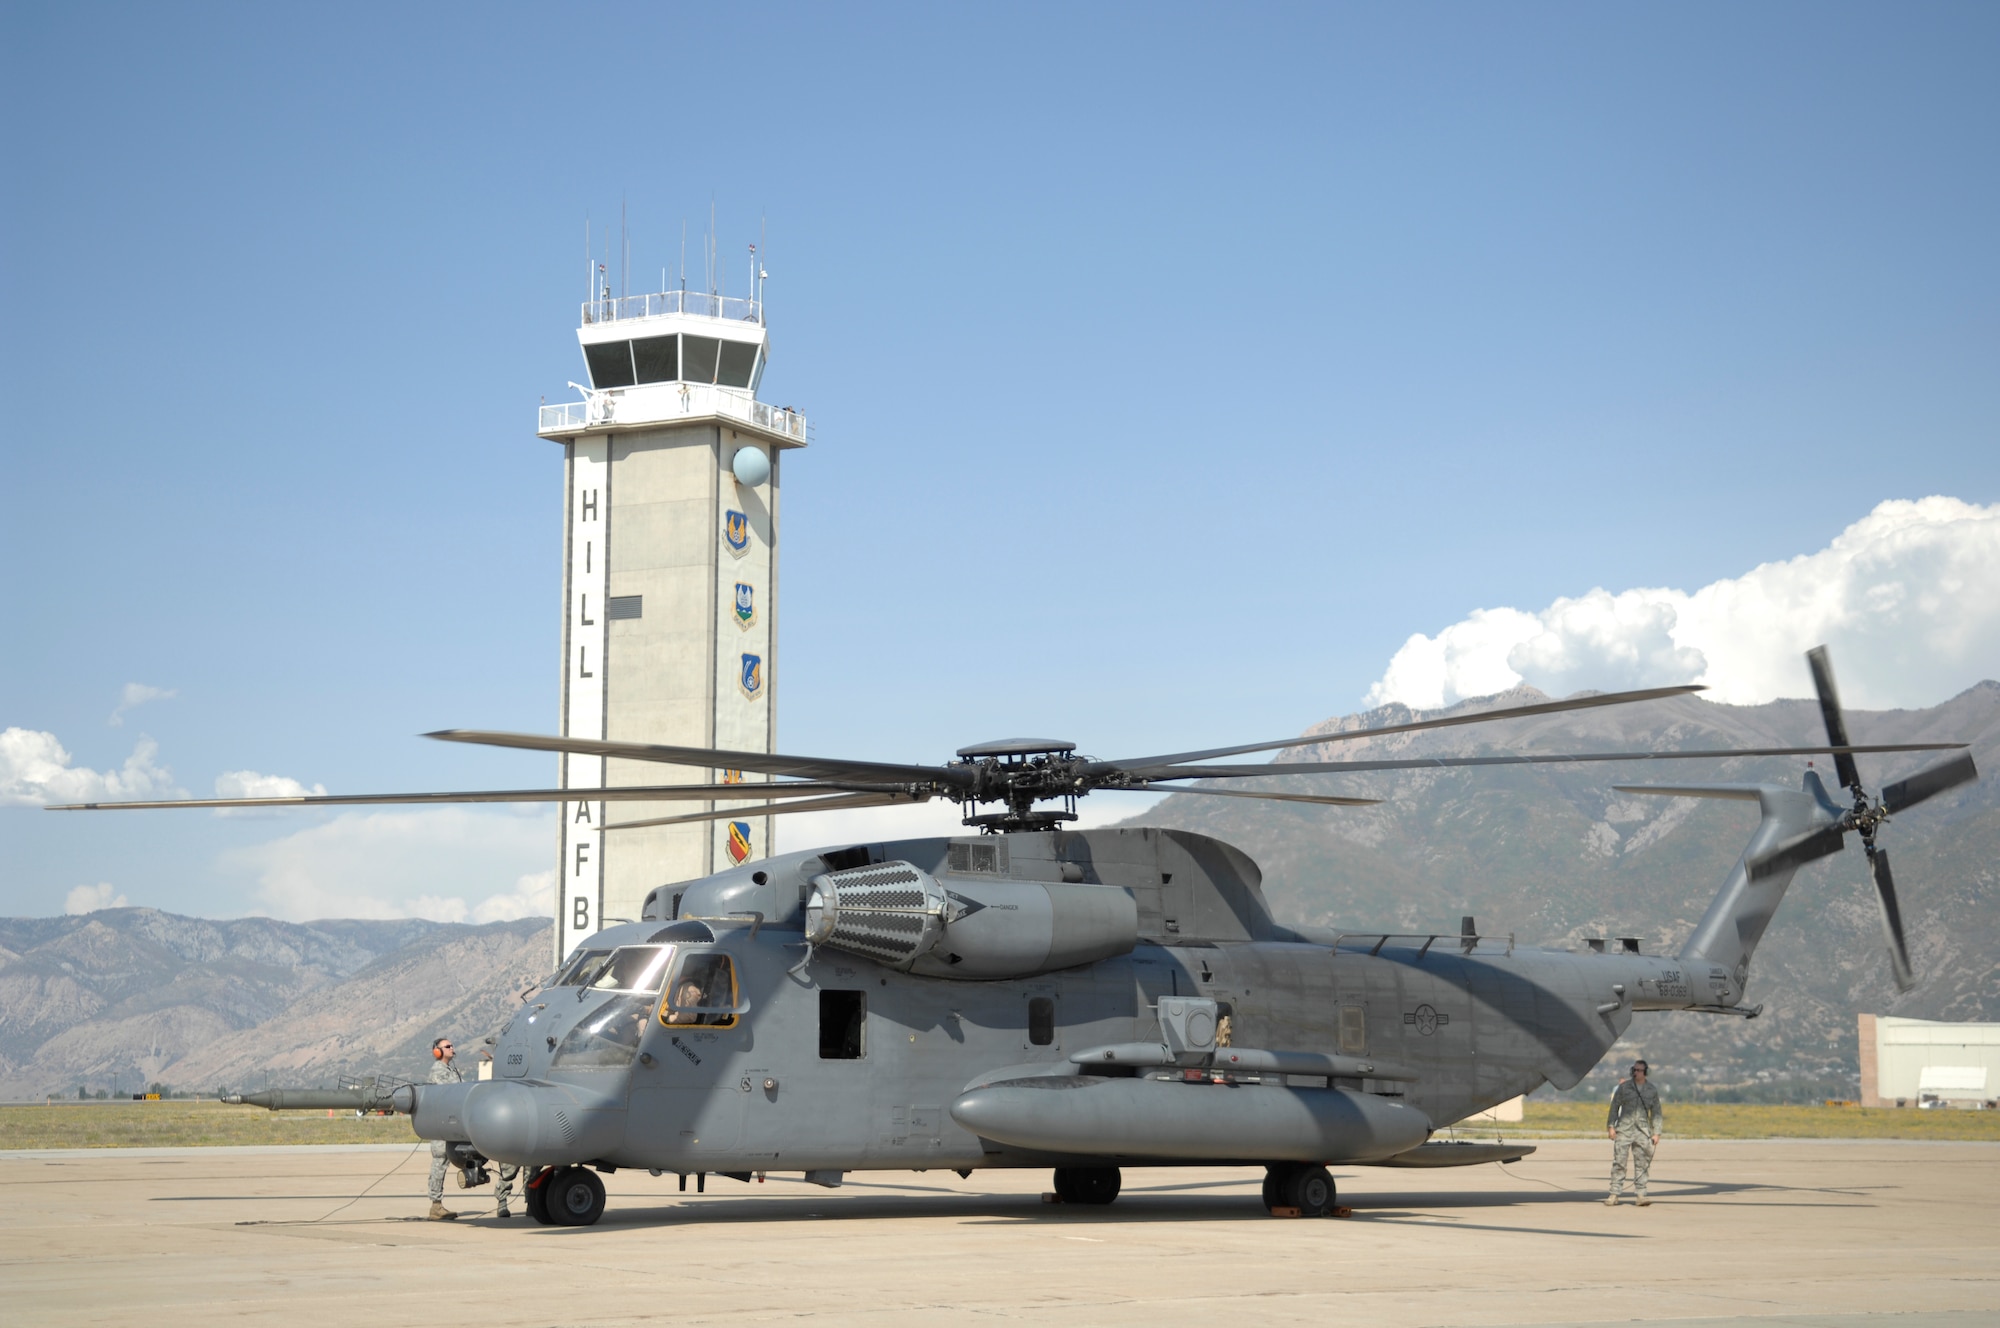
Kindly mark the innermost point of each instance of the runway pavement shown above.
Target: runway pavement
(1805, 1233)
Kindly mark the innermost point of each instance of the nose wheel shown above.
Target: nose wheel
(566, 1197)
(1308, 1189)
(1087, 1185)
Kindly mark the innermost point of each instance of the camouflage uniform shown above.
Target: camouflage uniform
(444, 1072)
(1635, 1115)
(503, 1189)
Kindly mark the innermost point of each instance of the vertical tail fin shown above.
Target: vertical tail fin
(1717, 953)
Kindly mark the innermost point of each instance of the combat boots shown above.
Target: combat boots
(439, 1213)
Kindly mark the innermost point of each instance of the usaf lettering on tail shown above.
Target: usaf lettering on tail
(1035, 996)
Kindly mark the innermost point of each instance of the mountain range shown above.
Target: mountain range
(124, 998)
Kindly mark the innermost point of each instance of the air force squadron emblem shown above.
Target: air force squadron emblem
(746, 605)
(736, 532)
(751, 680)
(739, 840)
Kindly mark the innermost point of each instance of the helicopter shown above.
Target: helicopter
(1031, 995)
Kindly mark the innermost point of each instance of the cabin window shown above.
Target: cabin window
(1041, 1021)
(657, 359)
(698, 355)
(610, 363)
(843, 1019)
(1354, 1030)
(738, 359)
(702, 993)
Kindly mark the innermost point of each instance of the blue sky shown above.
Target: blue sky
(1171, 367)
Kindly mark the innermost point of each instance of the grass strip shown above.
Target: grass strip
(1749, 1120)
(188, 1124)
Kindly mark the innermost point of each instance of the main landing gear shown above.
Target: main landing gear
(1087, 1185)
(1309, 1189)
(565, 1197)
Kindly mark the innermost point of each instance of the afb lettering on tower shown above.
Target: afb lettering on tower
(580, 867)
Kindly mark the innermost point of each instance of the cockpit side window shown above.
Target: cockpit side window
(702, 993)
(634, 968)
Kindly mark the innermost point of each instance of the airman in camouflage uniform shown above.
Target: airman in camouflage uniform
(1634, 1128)
(442, 1072)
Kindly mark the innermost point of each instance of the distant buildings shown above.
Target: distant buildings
(1917, 1062)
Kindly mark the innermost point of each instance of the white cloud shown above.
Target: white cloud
(135, 695)
(35, 771)
(250, 784)
(533, 896)
(90, 898)
(1907, 598)
(450, 864)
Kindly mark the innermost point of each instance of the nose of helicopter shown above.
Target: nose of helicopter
(542, 1124)
(500, 1119)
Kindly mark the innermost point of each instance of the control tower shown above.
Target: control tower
(670, 584)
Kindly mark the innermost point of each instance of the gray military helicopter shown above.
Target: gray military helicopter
(1082, 1000)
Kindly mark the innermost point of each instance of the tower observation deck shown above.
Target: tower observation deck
(670, 578)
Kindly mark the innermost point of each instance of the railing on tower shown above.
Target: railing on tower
(672, 302)
(664, 401)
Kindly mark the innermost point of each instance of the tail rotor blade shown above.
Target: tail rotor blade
(1829, 710)
(1929, 783)
(1892, 919)
(1796, 853)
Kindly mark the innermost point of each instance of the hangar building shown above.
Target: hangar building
(1915, 1062)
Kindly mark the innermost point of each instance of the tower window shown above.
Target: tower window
(610, 363)
(657, 359)
(698, 356)
(627, 606)
(739, 358)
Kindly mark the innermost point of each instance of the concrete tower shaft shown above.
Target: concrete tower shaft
(670, 580)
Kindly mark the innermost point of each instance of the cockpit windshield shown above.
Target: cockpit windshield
(583, 966)
(634, 968)
(607, 1038)
(627, 968)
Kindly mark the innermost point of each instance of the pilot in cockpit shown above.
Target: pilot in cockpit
(688, 997)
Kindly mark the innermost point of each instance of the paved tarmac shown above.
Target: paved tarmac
(1806, 1233)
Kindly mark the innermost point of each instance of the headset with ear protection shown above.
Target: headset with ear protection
(437, 1049)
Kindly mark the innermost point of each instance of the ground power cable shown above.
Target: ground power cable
(400, 1163)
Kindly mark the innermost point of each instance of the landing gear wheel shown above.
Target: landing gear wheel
(1306, 1188)
(575, 1196)
(1088, 1185)
(535, 1196)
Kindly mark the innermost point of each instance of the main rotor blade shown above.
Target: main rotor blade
(841, 803)
(1325, 800)
(805, 767)
(1892, 919)
(1929, 783)
(1155, 773)
(623, 793)
(1829, 710)
(1795, 853)
(1485, 716)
